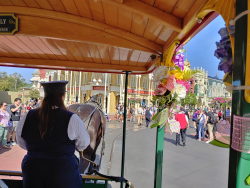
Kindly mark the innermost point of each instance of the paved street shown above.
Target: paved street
(196, 165)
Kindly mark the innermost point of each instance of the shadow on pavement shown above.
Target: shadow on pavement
(170, 140)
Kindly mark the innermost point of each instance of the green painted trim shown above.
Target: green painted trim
(237, 164)
(219, 144)
(159, 157)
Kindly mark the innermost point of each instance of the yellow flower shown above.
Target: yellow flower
(169, 64)
(178, 74)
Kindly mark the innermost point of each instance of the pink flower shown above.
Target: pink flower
(160, 90)
(171, 83)
(191, 79)
(184, 83)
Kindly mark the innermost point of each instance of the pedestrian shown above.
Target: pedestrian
(202, 119)
(228, 112)
(143, 113)
(38, 104)
(147, 115)
(132, 112)
(139, 112)
(210, 123)
(219, 114)
(118, 107)
(154, 110)
(16, 109)
(50, 135)
(121, 115)
(184, 124)
(195, 114)
(205, 109)
(4, 124)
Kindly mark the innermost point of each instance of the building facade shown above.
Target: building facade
(208, 87)
(82, 85)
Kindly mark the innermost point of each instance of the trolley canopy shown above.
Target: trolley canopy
(95, 35)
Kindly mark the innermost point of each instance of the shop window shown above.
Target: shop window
(118, 79)
(133, 81)
(55, 76)
(62, 77)
(145, 82)
(85, 77)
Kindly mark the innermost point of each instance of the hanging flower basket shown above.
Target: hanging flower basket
(134, 100)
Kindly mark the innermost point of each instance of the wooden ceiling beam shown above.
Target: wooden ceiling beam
(67, 65)
(42, 13)
(119, 1)
(150, 12)
(61, 30)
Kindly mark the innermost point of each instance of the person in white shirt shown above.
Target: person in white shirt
(51, 134)
(140, 112)
(202, 119)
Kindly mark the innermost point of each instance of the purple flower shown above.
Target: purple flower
(178, 59)
(224, 66)
(223, 32)
(220, 53)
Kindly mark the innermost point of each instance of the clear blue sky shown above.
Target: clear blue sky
(200, 51)
(201, 48)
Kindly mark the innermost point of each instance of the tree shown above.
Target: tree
(34, 94)
(4, 82)
(11, 82)
(17, 81)
(190, 99)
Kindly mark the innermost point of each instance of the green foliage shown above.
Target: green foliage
(34, 94)
(165, 100)
(11, 82)
(190, 99)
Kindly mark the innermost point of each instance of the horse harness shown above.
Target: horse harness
(96, 167)
(97, 107)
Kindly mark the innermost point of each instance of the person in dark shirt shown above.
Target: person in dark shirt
(16, 109)
(147, 115)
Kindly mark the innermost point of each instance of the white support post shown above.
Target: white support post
(71, 79)
(79, 93)
(105, 95)
(149, 90)
(75, 87)
(66, 93)
(139, 86)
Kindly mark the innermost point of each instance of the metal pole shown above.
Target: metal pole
(124, 125)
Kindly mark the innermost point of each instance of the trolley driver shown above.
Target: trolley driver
(50, 135)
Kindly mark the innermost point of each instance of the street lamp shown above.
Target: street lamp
(97, 81)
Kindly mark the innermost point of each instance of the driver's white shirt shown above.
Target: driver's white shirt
(76, 131)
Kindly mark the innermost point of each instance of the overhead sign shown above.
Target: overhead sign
(100, 88)
(8, 24)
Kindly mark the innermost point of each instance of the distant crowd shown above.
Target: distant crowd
(144, 112)
(9, 121)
